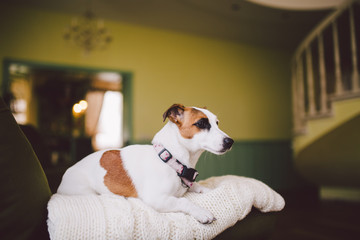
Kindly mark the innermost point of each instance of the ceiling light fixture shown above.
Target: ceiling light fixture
(88, 32)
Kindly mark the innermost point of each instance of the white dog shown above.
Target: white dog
(158, 174)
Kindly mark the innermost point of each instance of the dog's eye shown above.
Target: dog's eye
(217, 123)
(203, 123)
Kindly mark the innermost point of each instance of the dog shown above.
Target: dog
(158, 174)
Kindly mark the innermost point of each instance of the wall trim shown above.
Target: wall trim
(341, 194)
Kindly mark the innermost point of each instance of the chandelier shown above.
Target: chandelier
(88, 32)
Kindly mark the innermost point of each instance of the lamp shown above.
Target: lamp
(88, 32)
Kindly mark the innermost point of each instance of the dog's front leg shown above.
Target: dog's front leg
(173, 204)
(196, 187)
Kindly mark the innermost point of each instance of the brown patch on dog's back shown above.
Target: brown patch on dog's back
(191, 116)
(117, 179)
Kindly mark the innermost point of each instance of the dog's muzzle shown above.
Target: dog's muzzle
(227, 144)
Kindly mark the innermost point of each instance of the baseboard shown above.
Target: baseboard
(340, 194)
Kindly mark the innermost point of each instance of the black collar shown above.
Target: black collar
(187, 175)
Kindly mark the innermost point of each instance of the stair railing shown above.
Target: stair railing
(325, 66)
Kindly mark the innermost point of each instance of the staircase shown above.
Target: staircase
(326, 100)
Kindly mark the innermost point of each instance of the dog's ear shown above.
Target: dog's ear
(174, 113)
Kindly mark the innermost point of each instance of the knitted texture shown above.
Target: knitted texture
(115, 217)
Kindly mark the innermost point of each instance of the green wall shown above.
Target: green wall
(267, 161)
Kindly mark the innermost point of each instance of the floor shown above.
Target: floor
(324, 220)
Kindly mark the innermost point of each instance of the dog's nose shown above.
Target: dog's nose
(228, 142)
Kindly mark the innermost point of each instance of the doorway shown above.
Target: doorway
(69, 111)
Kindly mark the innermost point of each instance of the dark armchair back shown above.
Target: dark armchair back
(23, 184)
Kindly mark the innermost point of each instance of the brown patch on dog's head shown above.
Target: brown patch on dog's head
(191, 116)
(174, 113)
(185, 118)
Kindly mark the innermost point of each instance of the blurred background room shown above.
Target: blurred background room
(282, 77)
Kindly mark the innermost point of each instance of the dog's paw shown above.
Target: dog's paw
(203, 216)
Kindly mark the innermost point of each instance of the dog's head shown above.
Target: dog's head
(198, 129)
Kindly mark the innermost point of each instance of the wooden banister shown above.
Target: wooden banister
(310, 85)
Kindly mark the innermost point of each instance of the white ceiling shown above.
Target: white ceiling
(236, 20)
(300, 4)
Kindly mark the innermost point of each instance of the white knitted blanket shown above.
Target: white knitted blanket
(115, 217)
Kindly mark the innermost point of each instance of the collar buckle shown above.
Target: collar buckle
(188, 173)
(165, 155)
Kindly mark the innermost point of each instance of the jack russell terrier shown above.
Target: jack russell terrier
(158, 174)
